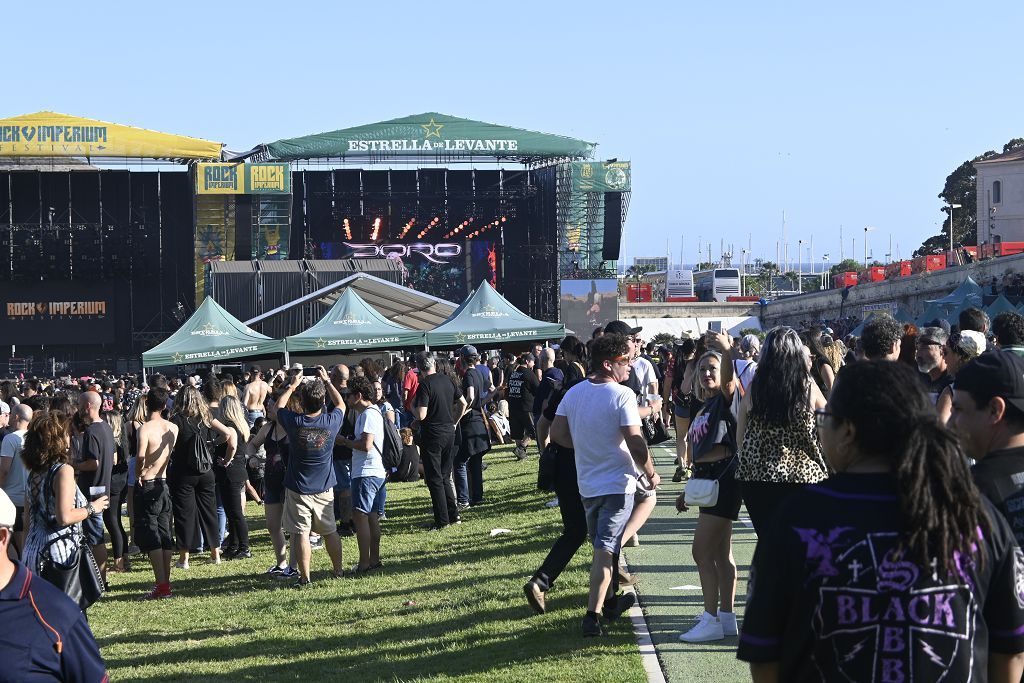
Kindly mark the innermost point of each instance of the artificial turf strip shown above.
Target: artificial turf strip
(468, 620)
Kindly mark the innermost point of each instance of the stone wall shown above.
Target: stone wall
(909, 293)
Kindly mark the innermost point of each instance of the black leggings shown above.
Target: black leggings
(192, 496)
(112, 515)
(231, 482)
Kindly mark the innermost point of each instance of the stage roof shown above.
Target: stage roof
(49, 134)
(400, 305)
(426, 136)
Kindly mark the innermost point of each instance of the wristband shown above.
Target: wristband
(90, 509)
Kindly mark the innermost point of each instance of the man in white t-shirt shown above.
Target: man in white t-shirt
(599, 419)
(13, 475)
(368, 473)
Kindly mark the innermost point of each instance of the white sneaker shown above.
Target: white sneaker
(728, 620)
(551, 503)
(709, 627)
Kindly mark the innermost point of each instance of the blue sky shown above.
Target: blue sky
(846, 115)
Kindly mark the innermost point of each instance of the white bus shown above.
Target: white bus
(717, 284)
(679, 285)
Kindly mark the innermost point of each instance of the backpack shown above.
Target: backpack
(200, 460)
(391, 450)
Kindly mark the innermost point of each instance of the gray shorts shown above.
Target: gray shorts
(606, 519)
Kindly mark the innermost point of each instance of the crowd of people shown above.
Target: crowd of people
(883, 476)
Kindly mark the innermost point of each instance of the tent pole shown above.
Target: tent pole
(287, 361)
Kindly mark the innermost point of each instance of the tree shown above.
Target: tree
(664, 339)
(706, 265)
(845, 266)
(961, 188)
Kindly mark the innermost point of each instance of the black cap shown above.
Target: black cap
(619, 327)
(998, 373)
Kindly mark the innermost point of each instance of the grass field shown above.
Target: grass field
(469, 620)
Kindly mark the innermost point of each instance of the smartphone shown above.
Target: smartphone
(311, 371)
(715, 326)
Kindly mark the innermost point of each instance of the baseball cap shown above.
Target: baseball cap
(998, 373)
(619, 327)
(468, 350)
(8, 513)
(4, 408)
(933, 335)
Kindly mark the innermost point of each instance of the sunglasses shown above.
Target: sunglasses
(820, 415)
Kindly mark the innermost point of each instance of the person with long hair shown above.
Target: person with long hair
(894, 568)
(274, 440)
(712, 438)
(192, 491)
(231, 475)
(779, 450)
(131, 424)
(118, 491)
(683, 401)
(823, 371)
(53, 501)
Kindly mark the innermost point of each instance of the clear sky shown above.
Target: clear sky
(847, 114)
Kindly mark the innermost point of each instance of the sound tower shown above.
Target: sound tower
(612, 226)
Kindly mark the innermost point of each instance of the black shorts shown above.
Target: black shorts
(729, 498)
(153, 516)
(520, 424)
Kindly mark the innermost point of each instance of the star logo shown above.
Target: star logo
(460, 338)
(177, 357)
(432, 129)
(321, 343)
(209, 327)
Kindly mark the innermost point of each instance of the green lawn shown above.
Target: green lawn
(469, 620)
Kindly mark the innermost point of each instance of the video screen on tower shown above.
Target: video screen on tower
(57, 312)
(585, 305)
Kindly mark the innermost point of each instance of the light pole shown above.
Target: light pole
(951, 207)
(866, 231)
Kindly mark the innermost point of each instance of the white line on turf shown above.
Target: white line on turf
(686, 587)
(648, 655)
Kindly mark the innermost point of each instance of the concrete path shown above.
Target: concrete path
(669, 588)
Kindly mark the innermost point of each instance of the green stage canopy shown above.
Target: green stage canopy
(1000, 305)
(430, 135)
(351, 323)
(487, 318)
(211, 335)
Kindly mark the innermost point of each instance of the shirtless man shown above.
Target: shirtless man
(152, 495)
(256, 392)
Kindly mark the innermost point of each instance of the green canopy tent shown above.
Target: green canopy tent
(932, 312)
(1000, 305)
(902, 316)
(486, 317)
(351, 323)
(428, 135)
(967, 294)
(211, 335)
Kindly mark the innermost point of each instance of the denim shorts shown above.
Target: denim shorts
(343, 471)
(606, 519)
(92, 529)
(366, 494)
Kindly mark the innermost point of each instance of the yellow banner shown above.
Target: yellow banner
(48, 134)
(239, 178)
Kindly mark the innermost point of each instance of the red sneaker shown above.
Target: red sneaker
(158, 593)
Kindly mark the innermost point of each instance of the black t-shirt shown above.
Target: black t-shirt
(437, 393)
(97, 444)
(935, 387)
(714, 424)
(1000, 477)
(348, 430)
(522, 385)
(831, 600)
(409, 468)
(474, 379)
(574, 374)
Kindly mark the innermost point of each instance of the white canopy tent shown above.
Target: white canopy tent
(692, 326)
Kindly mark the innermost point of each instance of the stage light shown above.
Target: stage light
(502, 219)
(376, 230)
(348, 229)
